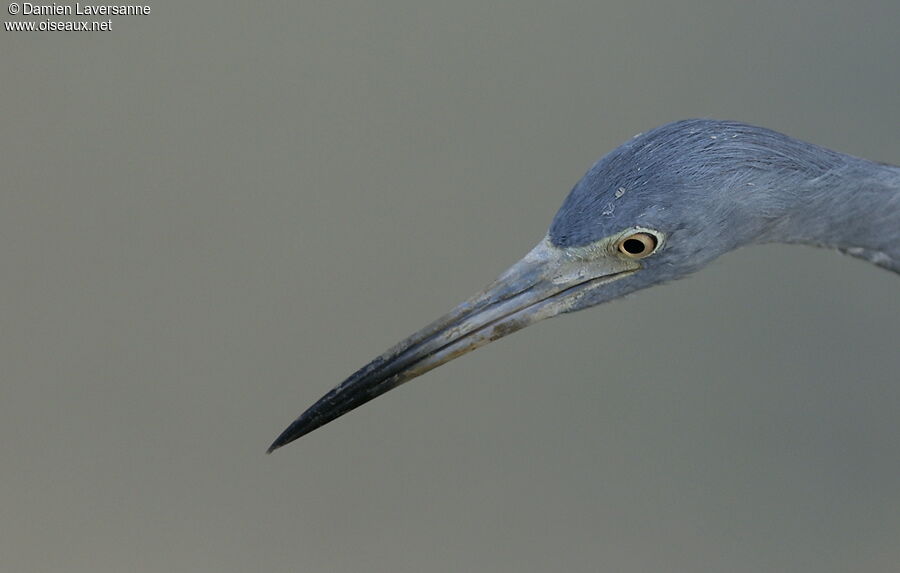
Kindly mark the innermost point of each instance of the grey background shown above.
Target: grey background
(212, 214)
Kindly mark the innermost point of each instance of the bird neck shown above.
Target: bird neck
(855, 209)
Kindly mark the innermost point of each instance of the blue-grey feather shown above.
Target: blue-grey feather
(712, 186)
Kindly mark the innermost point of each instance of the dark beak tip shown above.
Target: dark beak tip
(274, 446)
(303, 425)
(286, 437)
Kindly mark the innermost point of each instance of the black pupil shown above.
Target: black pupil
(634, 246)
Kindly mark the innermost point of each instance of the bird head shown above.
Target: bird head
(660, 206)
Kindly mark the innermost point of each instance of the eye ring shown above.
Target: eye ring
(637, 245)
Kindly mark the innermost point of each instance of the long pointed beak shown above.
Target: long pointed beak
(546, 282)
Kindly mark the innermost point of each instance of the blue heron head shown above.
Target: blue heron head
(657, 208)
(698, 189)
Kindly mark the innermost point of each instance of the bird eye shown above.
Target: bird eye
(637, 245)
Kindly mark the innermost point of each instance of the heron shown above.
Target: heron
(657, 208)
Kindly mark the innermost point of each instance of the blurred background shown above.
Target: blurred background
(210, 215)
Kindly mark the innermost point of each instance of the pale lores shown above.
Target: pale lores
(657, 208)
